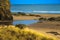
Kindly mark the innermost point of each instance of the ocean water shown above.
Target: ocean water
(41, 8)
(26, 22)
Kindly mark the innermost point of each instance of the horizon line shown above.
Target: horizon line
(38, 11)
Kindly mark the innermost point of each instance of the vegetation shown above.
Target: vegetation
(21, 26)
(42, 18)
(34, 15)
(37, 15)
(24, 14)
(18, 13)
(31, 15)
(21, 13)
(14, 33)
(50, 19)
(54, 19)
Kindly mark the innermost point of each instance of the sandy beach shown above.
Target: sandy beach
(49, 15)
(34, 17)
(25, 17)
(45, 26)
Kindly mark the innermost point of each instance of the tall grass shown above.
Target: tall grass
(15, 33)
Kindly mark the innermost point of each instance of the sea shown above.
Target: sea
(36, 8)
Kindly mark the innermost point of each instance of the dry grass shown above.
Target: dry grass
(14, 33)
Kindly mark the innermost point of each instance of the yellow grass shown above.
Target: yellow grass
(14, 33)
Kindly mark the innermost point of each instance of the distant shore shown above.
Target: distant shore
(25, 18)
(35, 18)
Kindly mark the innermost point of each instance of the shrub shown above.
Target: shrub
(21, 26)
(42, 18)
(21, 13)
(57, 18)
(37, 15)
(15, 33)
(31, 15)
(52, 19)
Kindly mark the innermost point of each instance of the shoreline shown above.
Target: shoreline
(25, 18)
(20, 17)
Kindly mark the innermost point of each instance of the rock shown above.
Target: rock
(5, 14)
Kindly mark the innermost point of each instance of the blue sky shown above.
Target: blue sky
(35, 1)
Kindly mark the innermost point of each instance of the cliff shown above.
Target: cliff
(5, 14)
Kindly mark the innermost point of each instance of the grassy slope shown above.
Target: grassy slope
(14, 33)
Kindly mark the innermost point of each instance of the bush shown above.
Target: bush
(58, 19)
(42, 18)
(31, 15)
(21, 26)
(37, 15)
(52, 19)
(15, 33)
(21, 13)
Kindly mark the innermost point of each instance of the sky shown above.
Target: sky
(35, 1)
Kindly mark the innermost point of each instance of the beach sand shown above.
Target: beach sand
(45, 26)
(25, 17)
(49, 15)
(34, 17)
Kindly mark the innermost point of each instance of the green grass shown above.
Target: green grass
(15, 33)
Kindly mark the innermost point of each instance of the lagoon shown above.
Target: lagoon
(26, 22)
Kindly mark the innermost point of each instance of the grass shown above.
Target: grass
(15, 33)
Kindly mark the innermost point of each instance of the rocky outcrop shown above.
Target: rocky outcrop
(5, 14)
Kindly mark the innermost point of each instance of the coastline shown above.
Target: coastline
(25, 18)
(34, 17)
(45, 26)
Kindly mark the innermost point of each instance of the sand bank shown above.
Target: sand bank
(34, 17)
